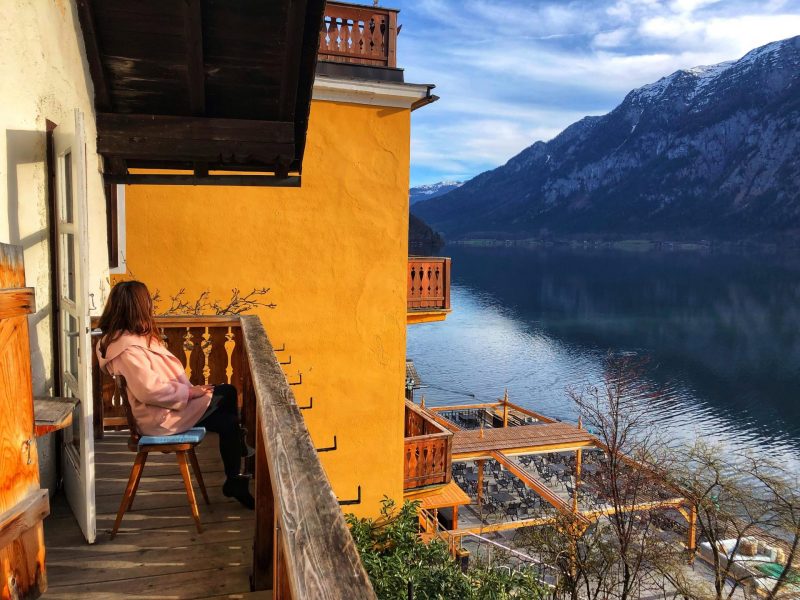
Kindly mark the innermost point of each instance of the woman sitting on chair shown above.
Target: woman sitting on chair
(162, 399)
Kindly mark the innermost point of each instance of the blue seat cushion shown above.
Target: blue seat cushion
(194, 435)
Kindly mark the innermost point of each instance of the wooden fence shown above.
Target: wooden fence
(427, 451)
(357, 34)
(428, 283)
(211, 350)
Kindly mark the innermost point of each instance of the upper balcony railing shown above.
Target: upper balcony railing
(428, 284)
(302, 547)
(363, 35)
(427, 452)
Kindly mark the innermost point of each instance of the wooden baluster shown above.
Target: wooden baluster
(230, 344)
(188, 348)
(324, 43)
(206, 346)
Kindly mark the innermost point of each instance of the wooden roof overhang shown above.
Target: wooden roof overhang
(204, 87)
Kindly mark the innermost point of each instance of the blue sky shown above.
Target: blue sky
(510, 72)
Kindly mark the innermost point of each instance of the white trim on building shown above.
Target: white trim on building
(377, 93)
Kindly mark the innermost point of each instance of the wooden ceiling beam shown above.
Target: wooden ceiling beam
(195, 65)
(195, 128)
(293, 51)
(102, 98)
(177, 179)
(306, 67)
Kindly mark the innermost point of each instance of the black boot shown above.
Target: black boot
(237, 487)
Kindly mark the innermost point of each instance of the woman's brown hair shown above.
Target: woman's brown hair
(129, 309)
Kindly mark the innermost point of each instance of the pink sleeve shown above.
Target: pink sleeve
(146, 384)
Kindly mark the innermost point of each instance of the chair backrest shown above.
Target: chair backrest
(122, 389)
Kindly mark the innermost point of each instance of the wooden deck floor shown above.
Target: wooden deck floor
(158, 553)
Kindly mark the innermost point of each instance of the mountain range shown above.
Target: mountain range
(710, 152)
(431, 190)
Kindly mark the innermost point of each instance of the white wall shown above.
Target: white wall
(44, 76)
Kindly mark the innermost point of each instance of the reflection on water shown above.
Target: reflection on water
(722, 332)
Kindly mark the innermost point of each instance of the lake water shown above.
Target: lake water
(721, 331)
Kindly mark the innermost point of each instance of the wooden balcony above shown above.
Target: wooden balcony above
(361, 35)
(427, 453)
(428, 289)
(208, 88)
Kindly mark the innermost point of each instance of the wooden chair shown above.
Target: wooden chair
(182, 444)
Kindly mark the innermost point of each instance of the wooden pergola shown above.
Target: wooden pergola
(218, 91)
(509, 437)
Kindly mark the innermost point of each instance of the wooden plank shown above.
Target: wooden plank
(16, 302)
(23, 516)
(52, 414)
(64, 538)
(167, 127)
(293, 53)
(264, 538)
(12, 273)
(524, 436)
(320, 554)
(231, 180)
(22, 503)
(102, 98)
(176, 586)
(193, 33)
(71, 569)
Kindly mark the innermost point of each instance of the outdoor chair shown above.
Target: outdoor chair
(182, 444)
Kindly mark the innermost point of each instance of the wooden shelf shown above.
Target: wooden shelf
(52, 414)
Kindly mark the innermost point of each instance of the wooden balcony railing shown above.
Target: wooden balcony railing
(302, 547)
(427, 451)
(356, 34)
(428, 283)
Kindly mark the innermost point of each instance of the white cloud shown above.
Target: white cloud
(514, 72)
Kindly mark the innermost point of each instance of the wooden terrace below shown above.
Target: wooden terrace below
(514, 442)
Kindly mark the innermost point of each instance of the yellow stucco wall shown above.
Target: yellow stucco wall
(334, 253)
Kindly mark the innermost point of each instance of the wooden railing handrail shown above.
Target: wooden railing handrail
(419, 411)
(190, 321)
(427, 436)
(319, 553)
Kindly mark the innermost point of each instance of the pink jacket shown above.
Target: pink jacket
(158, 389)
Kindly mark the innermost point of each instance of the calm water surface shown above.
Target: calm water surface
(722, 332)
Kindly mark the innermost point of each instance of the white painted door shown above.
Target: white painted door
(75, 360)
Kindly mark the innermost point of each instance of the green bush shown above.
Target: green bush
(393, 555)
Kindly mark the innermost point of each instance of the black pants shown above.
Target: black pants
(222, 417)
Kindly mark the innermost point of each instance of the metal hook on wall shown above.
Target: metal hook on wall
(350, 502)
(309, 405)
(281, 349)
(299, 381)
(330, 448)
(288, 362)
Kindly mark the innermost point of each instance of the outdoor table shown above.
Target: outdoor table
(503, 497)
